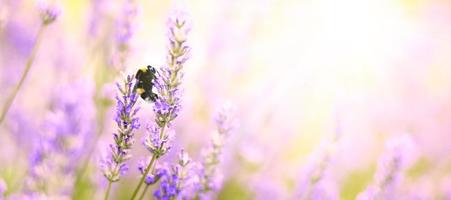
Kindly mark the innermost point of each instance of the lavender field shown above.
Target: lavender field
(231, 99)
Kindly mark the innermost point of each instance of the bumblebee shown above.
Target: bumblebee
(144, 83)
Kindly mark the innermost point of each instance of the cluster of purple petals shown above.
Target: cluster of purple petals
(391, 165)
(179, 181)
(156, 143)
(151, 178)
(123, 34)
(48, 11)
(124, 25)
(167, 188)
(66, 131)
(127, 122)
(167, 86)
(210, 177)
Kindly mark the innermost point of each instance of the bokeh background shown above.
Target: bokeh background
(306, 77)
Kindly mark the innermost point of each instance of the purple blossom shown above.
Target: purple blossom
(169, 78)
(151, 178)
(168, 186)
(178, 28)
(390, 169)
(210, 177)
(114, 166)
(180, 181)
(158, 145)
(65, 131)
(317, 184)
(49, 11)
(124, 33)
(317, 181)
(96, 15)
(168, 105)
(124, 25)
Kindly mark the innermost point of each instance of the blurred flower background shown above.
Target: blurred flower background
(331, 99)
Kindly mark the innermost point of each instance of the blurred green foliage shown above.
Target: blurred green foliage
(356, 182)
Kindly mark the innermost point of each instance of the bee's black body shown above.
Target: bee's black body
(144, 83)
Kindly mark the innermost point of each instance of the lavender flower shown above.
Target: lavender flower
(167, 85)
(390, 169)
(96, 15)
(316, 181)
(210, 178)
(168, 185)
(66, 130)
(189, 182)
(124, 24)
(180, 181)
(48, 11)
(124, 32)
(151, 178)
(114, 166)
(156, 145)
(178, 28)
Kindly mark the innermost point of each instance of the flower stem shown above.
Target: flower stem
(107, 192)
(144, 192)
(154, 158)
(9, 101)
(152, 161)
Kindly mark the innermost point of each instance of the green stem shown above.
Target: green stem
(154, 158)
(141, 181)
(144, 192)
(107, 192)
(9, 101)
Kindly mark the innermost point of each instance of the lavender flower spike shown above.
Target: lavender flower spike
(114, 166)
(124, 33)
(390, 170)
(52, 169)
(167, 85)
(210, 178)
(180, 181)
(48, 11)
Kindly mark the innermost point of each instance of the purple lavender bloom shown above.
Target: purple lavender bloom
(96, 15)
(180, 181)
(167, 86)
(316, 181)
(167, 83)
(151, 178)
(210, 177)
(124, 33)
(124, 24)
(127, 121)
(155, 144)
(178, 28)
(390, 169)
(168, 185)
(48, 11)
(65, 131)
